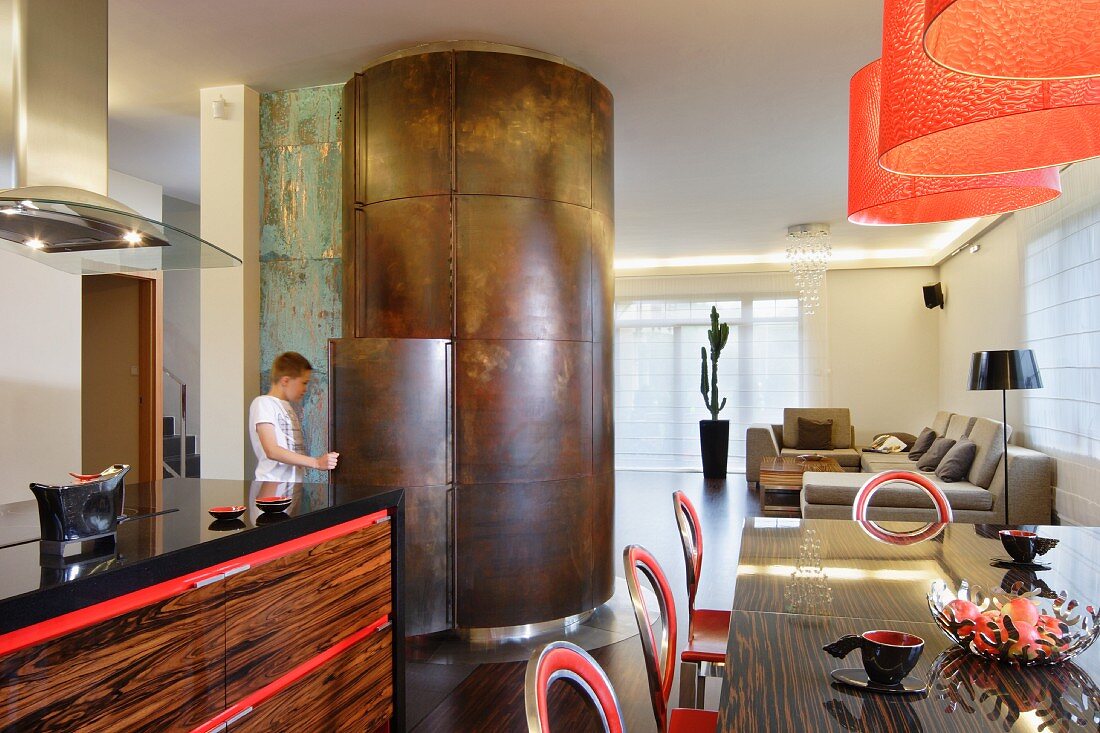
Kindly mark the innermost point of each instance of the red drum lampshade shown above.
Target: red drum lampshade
(877, 196)
(936, 122)
(1015, 39)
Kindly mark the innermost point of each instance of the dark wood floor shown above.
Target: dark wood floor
(489, 698)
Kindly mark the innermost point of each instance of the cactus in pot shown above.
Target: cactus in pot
(718, 334)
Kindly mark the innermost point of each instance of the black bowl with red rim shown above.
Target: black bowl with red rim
(227, 512)
(273, 503)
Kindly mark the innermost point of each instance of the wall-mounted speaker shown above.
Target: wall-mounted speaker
(933, 295)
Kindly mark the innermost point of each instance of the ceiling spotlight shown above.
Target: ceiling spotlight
(35, 244)
(27, 203)
(132, 237)
(11, 210)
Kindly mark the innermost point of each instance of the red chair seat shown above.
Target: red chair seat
(687, 720)
(711, 629)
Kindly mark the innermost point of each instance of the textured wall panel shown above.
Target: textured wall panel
(300, 242)
(408, 119)
(603, 150)
(523, 410)
(524, 269)
(404, 255)
(603, 278)
(603, 407)
(523, 128)
(552, 568)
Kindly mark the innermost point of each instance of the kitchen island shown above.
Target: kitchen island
(270, 622)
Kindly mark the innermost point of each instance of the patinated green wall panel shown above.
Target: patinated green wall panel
(300, 241)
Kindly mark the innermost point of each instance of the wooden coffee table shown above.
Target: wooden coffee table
(782, 475)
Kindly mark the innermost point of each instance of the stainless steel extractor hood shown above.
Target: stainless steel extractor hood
(53, 150)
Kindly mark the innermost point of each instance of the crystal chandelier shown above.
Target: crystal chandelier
(808, 251)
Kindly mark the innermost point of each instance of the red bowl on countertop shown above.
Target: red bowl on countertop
(273, 503)
(227, 512)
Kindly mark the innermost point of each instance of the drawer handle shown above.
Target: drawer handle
(238, 716)
(209, 580)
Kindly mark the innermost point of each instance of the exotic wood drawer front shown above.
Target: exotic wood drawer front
(352, 692)
(155, 669)
(282, 613)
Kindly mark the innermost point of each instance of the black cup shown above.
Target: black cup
(888, 656)
(1024, 545)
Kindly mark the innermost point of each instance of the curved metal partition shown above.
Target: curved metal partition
(478, 257)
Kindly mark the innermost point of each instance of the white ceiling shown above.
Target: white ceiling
(730, 117)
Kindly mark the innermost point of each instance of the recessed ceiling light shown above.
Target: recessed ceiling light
(132, 237)
(10, 210)
(35, 243)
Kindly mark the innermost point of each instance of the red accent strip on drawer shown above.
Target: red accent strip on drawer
(75, 620)
(271, 689)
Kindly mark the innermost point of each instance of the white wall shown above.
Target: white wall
(883, 349)
(182, 328)
(144, 197)
(230, 318)
(982, 290)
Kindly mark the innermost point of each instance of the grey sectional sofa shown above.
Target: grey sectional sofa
(977, 500)
(775, 440)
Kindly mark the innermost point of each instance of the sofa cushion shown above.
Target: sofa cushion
(814, 434)
(875, 462)
(841, 488)
(955, 466)
(922, 444)
(847, 457)
(959, 427)
(940, 423)
(842, 424)
(988, 435)
(907, 438)
(935, 454)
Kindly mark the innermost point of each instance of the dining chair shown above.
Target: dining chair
(708, 629)
(660, 658)
(935, 493)
(560, 660)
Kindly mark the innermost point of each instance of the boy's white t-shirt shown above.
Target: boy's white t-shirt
(288, 434)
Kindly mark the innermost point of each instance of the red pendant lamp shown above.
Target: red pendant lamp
(877, 196)
(1015, 39)
(936, 122)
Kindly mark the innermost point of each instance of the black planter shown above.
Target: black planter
(714, 439)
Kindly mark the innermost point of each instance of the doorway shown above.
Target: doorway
(121, 374)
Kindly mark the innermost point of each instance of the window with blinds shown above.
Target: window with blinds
(1059, 247)
(658, 402)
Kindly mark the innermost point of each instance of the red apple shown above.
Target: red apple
(963, 613)
(987, 632)
(1021, 611)
(1027, 645)
(1050, 625)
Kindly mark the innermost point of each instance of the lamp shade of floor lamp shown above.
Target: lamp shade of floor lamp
(1004, 370)
(937, 122)
(1015, 39)
(879, 197)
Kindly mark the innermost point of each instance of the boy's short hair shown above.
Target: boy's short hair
(289, 364)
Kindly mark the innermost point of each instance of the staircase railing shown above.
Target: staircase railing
(182, 473)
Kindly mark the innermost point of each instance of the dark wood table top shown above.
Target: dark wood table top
(804, 583)
(791, 467)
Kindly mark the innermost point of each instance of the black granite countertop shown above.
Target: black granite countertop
(167, 533)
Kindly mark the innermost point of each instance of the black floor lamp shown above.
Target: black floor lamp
(1004, 370)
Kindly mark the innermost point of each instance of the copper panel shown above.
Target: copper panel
(523, 269)
(523, 410)
(603, 149)
(405, 281)
(283, 613)
(388, 401)
(522, 128)
(531, 552)
(408, 125)
(427, 559)
(603, 407)
(603, 278)
(351, 182)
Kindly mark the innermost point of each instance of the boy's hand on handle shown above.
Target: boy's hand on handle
(327, 462)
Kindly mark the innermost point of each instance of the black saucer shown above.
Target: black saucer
(1001, 562)
(858, 678)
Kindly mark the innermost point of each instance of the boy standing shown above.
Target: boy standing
(275, 430)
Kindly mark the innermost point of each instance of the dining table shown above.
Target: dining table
(804, 583)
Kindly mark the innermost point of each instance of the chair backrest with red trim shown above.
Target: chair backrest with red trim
(659, 651)
(691, 537)
(863, 497)
(563, 660)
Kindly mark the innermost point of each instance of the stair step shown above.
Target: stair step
(193, 465)
(172, 445)
(169, 425)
